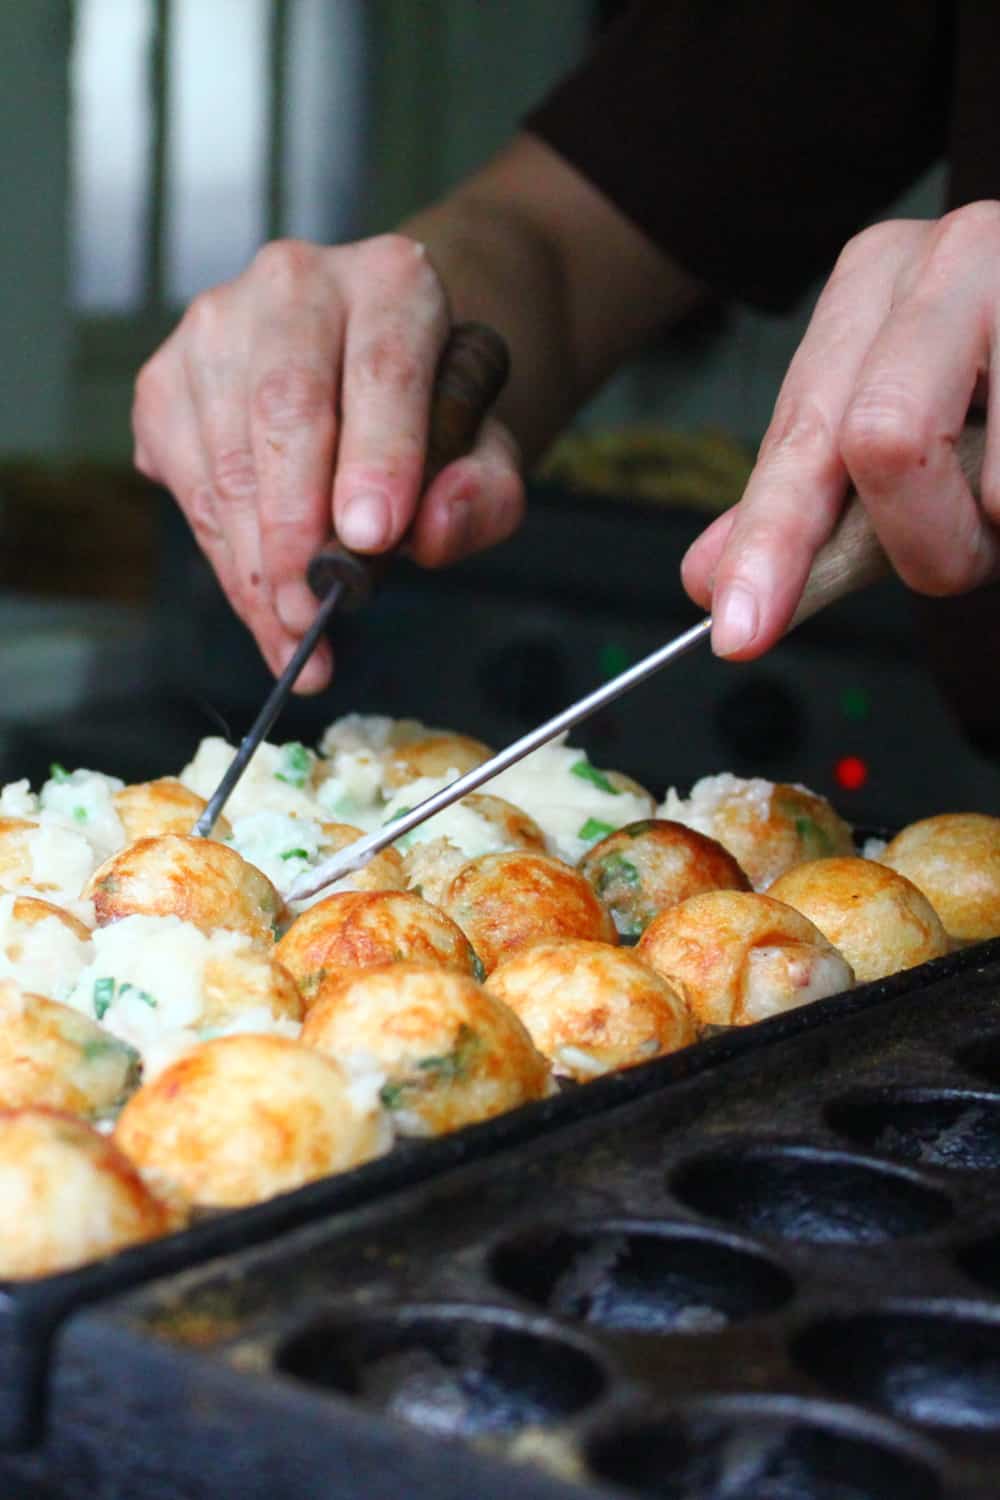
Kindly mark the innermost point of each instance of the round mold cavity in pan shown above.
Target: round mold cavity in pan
(980, 1260)
(954, 1128)
(641, 1275)
(765, 1448)
(934, 1363)
(982, 1057)
(448, 1368)
(810, 1194)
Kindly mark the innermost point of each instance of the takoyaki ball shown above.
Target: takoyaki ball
(241, 1118)
(383, 872)
(643, 868)
(362, 929)
(198, 880)
(768, 827)
(736, 956)
(479, 824)
(45, 948)
(68, 1195)
(431, 866)
(449, 1052)
(954, 859)
(49, 858)
(873, 915)
(248, 979)
(149, 809)
(502, 901)
(592, 1008)
(434, 755)
(51, 1054)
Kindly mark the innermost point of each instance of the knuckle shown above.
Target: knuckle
(956, 232)
(293, 394)
(874, 240)
(234, 475)
(287, 262)
(199, 507)
(203, 317)
(799, 429)
(404, 268)
(882, 439)
(387, 360)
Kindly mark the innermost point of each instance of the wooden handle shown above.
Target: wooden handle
(470, 375)
(853, 557)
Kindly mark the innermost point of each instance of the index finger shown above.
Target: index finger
(396, 329)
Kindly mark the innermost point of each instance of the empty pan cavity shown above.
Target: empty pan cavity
(646, 1278)
(447, 1369)
(764, 1448)
(954, 1128)
(804, 1193)
(981, 1261)
(929, 1363)
(982, 1057)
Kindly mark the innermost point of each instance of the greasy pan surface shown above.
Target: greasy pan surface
(764, 1269)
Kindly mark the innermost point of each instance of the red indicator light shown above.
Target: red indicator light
(851, 772)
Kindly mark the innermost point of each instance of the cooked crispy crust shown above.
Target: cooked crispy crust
(646, 867)
(954, 859)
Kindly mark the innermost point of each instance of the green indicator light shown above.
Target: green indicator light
(613, 660)
(855, 704)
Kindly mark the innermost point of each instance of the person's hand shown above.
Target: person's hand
(898, 348)
(293, 402)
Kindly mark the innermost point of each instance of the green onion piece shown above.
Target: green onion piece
(93, 1051)
(391, 1094)
(616, 867)
(400, 814)
(811, 833)
(80, 814)
(454, 1064)
(595, 829)
(58, 772)
(104, 993)
(635, 830)
(143, 995)
(295, 854)
(587, 772)
(478, 967)
(296, 763)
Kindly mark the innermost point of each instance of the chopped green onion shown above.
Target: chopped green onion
(295, 854)
(391, 1094)
(811, 833)
(587, 772)
(400, 814)
(94, 1050)
(143, 995)
(80, 814)
(452, 1065)
(58, 772)
(104, 993)
(595, 829)
(634, 830)
(478, 967)
(616, 866)
(296, 764)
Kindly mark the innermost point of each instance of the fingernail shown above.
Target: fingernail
(295, 603)
(734, 620)
(364, 523)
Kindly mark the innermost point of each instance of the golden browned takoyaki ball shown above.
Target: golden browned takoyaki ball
(148, 809)
(643, 868)
(476, 825)
(363, 929)
(450, 1053)
(873, 915)
(591, 1008)
(67, 1195)
(768, 827)
(502, 901)
(198, 880)
(737, 956)
(52, 1055)
(954, 858)
(434, 755)
(45, 947)
(242, 1118)
(383, 872)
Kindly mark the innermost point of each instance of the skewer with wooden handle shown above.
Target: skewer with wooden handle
(853, 556)
(471, 373)
(850, 559)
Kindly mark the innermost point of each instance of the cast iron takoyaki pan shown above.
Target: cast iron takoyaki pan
(767, 1268)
